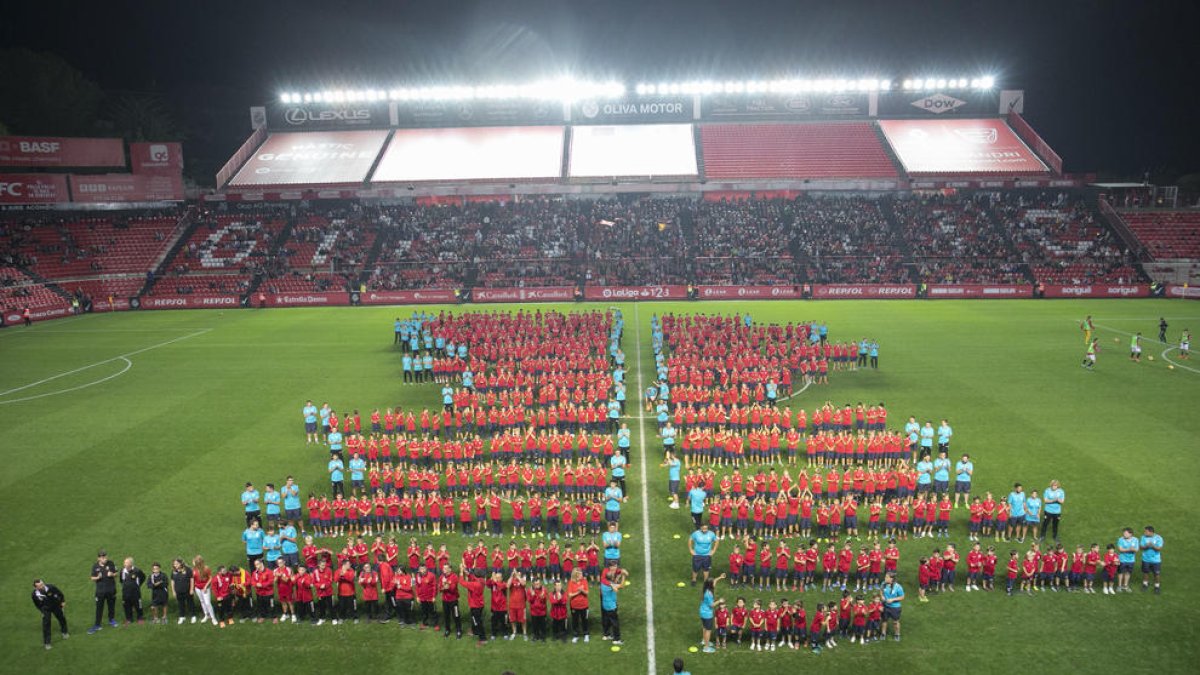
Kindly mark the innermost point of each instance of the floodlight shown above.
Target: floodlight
(885, 85)
(987, 82)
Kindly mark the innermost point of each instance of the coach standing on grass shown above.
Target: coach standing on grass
(1052, 502)
(50, 600)
(104, 574)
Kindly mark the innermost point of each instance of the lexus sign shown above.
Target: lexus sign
(347, 116)
(328, 117)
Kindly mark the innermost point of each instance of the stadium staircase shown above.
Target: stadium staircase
(372, 256)
(887, 149)
(698, 147)
(48, 284)
(188, 224)
(1009, 245)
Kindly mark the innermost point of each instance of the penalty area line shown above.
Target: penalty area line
(128, 365)
(100, 363)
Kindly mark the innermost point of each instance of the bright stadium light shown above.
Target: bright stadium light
(885, 85)
(987, 82)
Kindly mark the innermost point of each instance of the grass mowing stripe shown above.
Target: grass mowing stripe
(645, 503)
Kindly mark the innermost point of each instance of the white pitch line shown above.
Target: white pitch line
(650, 656)
(12, 330)
(100, 363)
(1164, 353)
(796, 393)
(128, 365)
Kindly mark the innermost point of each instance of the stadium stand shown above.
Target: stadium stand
(19, 290)
(847, 239)
(1166, 235)
(807, 150)
(953, 240)
(1061, 239)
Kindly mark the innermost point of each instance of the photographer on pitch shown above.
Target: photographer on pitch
(50, 601)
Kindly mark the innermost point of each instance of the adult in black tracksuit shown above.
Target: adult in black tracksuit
(49, 600)
(104, 574)
(132, 580)
(181, 584)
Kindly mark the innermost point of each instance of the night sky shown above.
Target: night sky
(1112, 86)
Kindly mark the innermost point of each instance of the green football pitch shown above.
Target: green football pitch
(136, 432)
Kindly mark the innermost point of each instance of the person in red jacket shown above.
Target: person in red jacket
(537, 611)
(263, 581)
(517, 596)
(448, 582)
(558, 611)
(499, 603)
(347, 593)
(368, 579)
(223, 595)
(302, 591)
(426, 589)
(474, 586)
(323, 582)
(402, 588)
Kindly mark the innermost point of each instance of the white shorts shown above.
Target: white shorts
(1137, 350)
(1092, 358)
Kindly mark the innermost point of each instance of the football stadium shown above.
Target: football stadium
(826, 369)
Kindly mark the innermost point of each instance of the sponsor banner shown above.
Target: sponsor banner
(103, 305)
(947, 103)
(321, 116)
(308, 299)
(126, 187)
(42, 151)
(759, 107)
(482, 113)
(540, 294)
(978, 291)
(747, 292)
(12, 315)
(870, 291)
(189, 301)
(669, 292)
(1098, 291)
(435, 295)
(164, 159)
(632, 150)
(1192, 292)
(959, 146)
(643, 109)
(477, 153)
(330, 157)
(33, 188)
